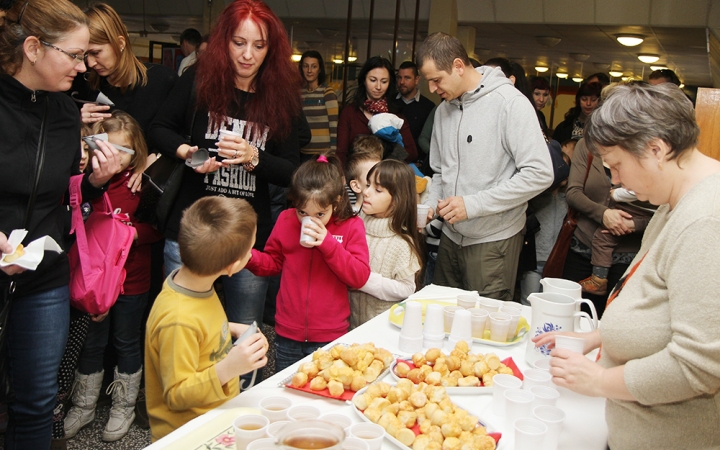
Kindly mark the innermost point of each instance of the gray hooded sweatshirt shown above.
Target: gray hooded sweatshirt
(487, 147)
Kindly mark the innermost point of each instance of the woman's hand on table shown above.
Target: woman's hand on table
(12, 269)
(576, 372)
(618, 222)
(105, 164)
(93, 112)
(592, 339)
(579, 374)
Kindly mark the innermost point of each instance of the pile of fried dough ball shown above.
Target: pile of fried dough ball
(443, 425)
(343, 368)
(459, 369)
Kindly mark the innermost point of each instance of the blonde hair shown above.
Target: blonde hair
(105, 28)
(122, 122)
(214, 233)
(47, 20)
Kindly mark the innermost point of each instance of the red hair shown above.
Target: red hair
(277, 84)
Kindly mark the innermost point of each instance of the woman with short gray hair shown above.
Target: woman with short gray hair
(659, 366)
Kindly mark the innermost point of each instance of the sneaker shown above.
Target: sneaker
(594, 285)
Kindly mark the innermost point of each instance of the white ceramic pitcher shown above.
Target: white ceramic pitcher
(552, 312)
(572, 289)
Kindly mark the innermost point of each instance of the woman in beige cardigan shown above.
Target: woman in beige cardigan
(660, 360)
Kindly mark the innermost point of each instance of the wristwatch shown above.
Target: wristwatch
(254, 161)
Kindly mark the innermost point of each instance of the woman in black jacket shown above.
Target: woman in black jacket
(42, 48)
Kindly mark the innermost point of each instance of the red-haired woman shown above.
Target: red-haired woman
(246, 83)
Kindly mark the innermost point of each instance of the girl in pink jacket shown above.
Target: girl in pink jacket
(320, 257)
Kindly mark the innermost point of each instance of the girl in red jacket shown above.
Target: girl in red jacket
(125, 317)
(312, 304)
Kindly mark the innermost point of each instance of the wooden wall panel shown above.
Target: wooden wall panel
(707, 113)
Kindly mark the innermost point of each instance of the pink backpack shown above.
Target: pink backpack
(97, 259)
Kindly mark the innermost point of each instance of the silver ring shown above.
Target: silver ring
(92, 114)
(235, 155)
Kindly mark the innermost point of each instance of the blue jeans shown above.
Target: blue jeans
(125, 319)
(244, 292)
(37, 331)
(288, 351)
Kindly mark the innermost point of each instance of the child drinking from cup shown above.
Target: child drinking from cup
(389, 211)
(312, 303)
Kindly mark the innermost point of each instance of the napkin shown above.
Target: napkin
(34, 251)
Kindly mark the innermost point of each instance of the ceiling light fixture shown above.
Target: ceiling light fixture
(615, 73)
(337, 61)
(561, 75)
(296, 57)
(648, 58)
(601, 66)
(578, 79)
(625, 78)
(352, 58)
(629, 40)
(658, 67)
(682, 85)
(579, 57)
(541, 69)
(548, 41)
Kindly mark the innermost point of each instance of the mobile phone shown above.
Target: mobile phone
(252, 329)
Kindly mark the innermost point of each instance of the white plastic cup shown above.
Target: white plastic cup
(434, 326)
(449, 315)
(518, 405)
(248, 428)
(434, 322)
(422, 213)
(340, 420)
(275, 408)
(274, 428)
(574, 344)
(302, 412)
(515, 314)
(412, 326)
(554, 419)
(371, 433)
(499, 326)
(536, 377)
(489, 304)
(529, 434)
(304, 238)
(262, 444)
(542, 364)
(467, 301)
(461, 329)
(544, 395)
(411, 336)
(479, 322)
(229, 133)
(353, 443)
(501, 383)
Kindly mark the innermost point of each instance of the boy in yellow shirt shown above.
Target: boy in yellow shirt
(191, 363)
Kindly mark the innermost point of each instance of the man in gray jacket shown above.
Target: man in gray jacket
(489, 158)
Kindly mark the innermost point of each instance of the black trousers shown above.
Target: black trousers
(578, 268)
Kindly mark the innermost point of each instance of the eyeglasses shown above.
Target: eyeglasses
(75, 56)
